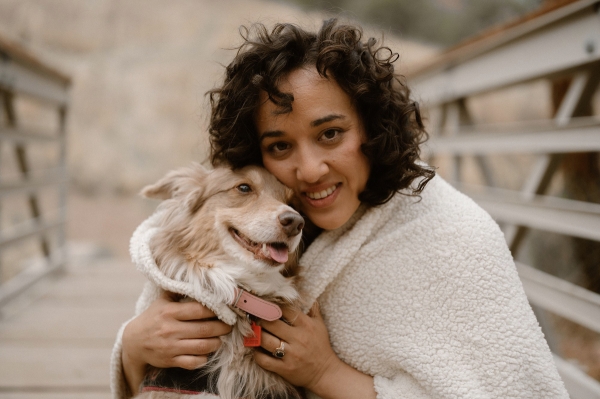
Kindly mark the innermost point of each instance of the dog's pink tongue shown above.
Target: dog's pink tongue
(279, 255)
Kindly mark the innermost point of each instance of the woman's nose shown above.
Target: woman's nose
(311, 167)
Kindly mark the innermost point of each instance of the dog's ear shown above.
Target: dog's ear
(178, 182)
(207, 184)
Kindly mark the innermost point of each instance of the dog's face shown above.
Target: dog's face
(255, 214)
(222, 214)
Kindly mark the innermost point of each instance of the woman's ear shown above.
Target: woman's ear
(178, 182)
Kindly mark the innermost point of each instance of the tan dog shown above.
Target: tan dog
(222, 230)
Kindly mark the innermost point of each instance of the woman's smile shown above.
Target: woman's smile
(315, 149)
(321, 194)
(321, 199)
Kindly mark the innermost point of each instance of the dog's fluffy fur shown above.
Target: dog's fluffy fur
(224, 229)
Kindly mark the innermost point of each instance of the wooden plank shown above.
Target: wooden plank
(51, 367)
(578, 384)
(19, 78)
(561, 221)
(549, 50)
(574, 218)
(30, 276)
(561, 297)
(30, 231)
(551, 141)
(59, 345)
(20, 135)
(488, 41)
(33, 185)
(14, 52)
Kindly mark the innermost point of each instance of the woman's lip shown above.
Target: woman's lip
(323, 202)
(320, 190)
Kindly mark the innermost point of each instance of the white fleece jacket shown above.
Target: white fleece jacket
(424, 296)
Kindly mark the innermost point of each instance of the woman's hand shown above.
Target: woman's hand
(169, 334)
(309, 360)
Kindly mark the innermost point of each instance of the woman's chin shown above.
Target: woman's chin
(332, 218)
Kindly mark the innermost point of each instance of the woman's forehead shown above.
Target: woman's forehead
(314, 97)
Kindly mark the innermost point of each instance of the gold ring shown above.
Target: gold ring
(279, 353)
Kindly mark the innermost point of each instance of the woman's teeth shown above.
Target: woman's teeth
(321, 194)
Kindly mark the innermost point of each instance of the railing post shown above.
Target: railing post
(24, 75)
(63, 187)
(452, 124)
(3, 119)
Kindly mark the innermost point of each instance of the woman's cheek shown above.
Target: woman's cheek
(281, 170)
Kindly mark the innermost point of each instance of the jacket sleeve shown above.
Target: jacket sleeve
(400, 386)
(118, 385)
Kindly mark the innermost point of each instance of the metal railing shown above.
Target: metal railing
(562, 45)
(22, 76)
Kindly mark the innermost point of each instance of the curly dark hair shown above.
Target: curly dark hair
(363, 70)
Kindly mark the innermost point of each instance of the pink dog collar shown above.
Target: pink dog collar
(255, 306)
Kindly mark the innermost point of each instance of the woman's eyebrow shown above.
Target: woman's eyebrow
(325, 119)
(270, 133)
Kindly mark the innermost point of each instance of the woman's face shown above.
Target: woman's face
(315, 148)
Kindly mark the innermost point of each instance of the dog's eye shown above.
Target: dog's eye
(244, 188)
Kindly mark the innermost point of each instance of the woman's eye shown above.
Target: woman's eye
(278, 147)
(330, 134)
(244, 188)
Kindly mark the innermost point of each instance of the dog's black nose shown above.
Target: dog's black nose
(292, 223)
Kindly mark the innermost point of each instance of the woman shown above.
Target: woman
(418, 293)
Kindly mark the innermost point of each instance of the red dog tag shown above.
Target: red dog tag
(254, 340)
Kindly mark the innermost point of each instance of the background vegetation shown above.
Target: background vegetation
(442, 22)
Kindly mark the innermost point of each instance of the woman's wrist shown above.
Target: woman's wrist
(342, 381)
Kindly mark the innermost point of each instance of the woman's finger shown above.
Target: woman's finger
(291, 315)
(189, 362)
(193, 310)
(202, 329)
(198, 347)
(315, 311)
(270, 342)
(267, 362)
(187, 310)
(278, 328)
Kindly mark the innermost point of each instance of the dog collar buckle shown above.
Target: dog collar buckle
(256, 306)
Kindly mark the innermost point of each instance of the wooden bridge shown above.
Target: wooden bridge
(56, 340)
(58, 318)
(60, 314)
